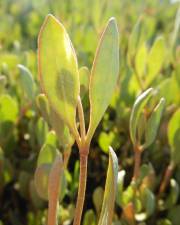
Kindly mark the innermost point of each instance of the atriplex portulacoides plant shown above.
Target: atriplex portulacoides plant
(60, 81)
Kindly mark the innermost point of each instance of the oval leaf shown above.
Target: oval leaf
(104, 74)
(58, 70)
(110, 190)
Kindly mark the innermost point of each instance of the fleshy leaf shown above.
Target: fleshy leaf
(110, 190)
(58, 125)
(104, 74)
(58, 70)
(155, 59)
(41, 177)
(174, 136)
(136, 112)
(153, 123)
(27, 81)
(140, 60)
(43, 105)
(89, 218)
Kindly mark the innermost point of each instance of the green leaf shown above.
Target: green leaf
(136, 112)
(174, 136)
(58, 125)
(89, 218)
(149, 202)
(8, 108)
(43, 105)
(62, 131)
(140, 60)
(84, 75)
(47, 154)
(104, 75)
(41, 177)
(98, 198)
(173, 194)
(110, 190)
(153, 123)
(120, 187)
(27, 81)
(156, 59)
(58, 70)
(105, 140)
(135, 40)
(41, 131)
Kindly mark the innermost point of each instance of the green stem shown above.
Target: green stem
(82, 189)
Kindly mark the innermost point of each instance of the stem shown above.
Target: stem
(137, 162)
(67, 154)
(81, 119)
(166, 178)
(82, 189)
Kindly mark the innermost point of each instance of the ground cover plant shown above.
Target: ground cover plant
(105, 110)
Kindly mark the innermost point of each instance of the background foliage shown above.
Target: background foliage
(149, 57)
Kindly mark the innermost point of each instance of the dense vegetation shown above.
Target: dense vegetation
(149, 57)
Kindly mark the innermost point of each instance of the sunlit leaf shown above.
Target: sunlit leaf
(58, 70)
(104, 74)
(110, 190)
(156, 59)
(140, 60)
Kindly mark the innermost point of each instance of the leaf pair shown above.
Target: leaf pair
(151, 123)
(59, 75)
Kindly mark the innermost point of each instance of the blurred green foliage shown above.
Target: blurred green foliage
(149, 57)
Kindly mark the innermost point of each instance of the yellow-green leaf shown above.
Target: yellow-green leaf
(155, 59)
(140, 60)
(110, 190)
(174, 136)
(104, 74)
(58, 70)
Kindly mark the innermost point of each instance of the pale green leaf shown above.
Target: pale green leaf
(110, 190)
(27, 81)
(104, 74)
(58, 70)
(153, 123)
(136, 112)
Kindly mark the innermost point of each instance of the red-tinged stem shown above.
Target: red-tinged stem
(166, 178)
(137, 162)
(82, 189)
